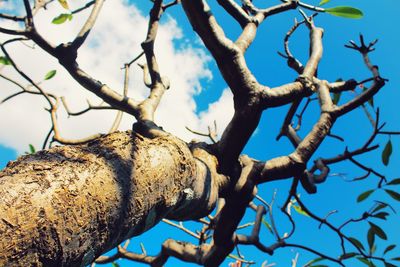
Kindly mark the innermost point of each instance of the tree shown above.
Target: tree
(67, 205)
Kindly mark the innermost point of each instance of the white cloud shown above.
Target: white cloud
(114, 40)
(221, 111)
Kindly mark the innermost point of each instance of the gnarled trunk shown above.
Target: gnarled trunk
(68, 205)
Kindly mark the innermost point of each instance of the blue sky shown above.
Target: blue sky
(380, 21)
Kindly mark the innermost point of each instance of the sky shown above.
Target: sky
(203, 97)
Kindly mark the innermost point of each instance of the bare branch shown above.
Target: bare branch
(89, 108)
(12, 32)
(135, 59)
(212, 133)
(205, 24)
(158, 84)
(235, 11)
(84, 32)
(11, 17)
(29, 16)
(181, 227)
(375, 87)
(87, 5)
(249, 31)
(316, 51)
(24, 90)
(26, 77)
(118, 118)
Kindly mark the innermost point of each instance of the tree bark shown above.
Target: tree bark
(68, 205)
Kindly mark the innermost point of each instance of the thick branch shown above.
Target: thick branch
(235, 11)
(84, 32)
(84, 200)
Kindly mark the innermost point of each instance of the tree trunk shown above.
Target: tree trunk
(68, 205)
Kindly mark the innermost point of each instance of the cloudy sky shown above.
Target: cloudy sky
(114, 41)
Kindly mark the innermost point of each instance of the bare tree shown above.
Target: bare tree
(67, 205)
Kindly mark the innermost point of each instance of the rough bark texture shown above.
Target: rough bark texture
(70, 204)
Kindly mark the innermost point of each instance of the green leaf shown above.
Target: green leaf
(373, 249)
(396, 259)
(323, 2)
(356, 243)
(381, 215)
(379, 207)
(64, 3)
(389, 248)
(348, 255)
(32, 149)
(50, 74)
(336, 98)
(387, 264)
(345, 12)
(365, 261)
(387, 152)
(114, 264)
(365, 195)
(309, 264)
(62, 18)
(371, 238)
(371, 101)
(299, 210)
(394, 182)
(393, 194)
(267, 225)
(378, 231)
(359, 178)
(5, 61)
